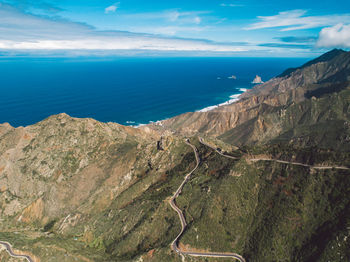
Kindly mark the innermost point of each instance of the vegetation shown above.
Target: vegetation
(80, 190)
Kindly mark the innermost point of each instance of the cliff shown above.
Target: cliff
(318, 82)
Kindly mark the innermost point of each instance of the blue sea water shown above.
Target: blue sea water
(125, 90)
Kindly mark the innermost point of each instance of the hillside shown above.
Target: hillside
(81, 190)
(323, 77)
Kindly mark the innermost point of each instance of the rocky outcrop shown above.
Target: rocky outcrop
(257, 80)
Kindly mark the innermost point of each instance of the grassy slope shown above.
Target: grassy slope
(272, 212)
(264, 211)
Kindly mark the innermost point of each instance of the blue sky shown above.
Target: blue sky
(133, 27)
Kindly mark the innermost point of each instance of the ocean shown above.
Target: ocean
(128, 90)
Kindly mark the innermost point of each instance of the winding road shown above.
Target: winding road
(174, 244)
(216, 149)
(275, 160)
(299, 164)
(10, 251)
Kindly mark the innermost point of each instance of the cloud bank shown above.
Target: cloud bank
(335, 36)
(21, 30)
(297, 20)
(25, 33)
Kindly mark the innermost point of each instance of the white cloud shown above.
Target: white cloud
(121, 43)
(173, 16)
(41, 5)
(112, 8)
(231, 5)
(164, 30)
(183, 17)
(21, 26)
(23, 31)
(197, 20)
(335, 36)
(296, 20)
(172, 30)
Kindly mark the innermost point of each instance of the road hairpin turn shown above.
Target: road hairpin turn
(174, 244)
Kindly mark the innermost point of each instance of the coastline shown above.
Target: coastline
(121, 90)
(233, 98)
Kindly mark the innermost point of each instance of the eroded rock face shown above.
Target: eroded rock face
(327, 74)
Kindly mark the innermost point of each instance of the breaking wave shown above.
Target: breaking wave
(234, 98)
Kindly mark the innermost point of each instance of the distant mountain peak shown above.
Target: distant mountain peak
(323, 58)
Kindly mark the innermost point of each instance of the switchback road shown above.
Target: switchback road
(12, 254)
(174, 244)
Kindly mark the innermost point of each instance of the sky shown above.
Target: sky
(298, 28)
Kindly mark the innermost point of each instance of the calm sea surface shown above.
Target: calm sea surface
(124, 90)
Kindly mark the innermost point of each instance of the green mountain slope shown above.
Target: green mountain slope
(80, 190)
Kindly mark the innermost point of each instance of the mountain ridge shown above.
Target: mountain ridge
(277, 92)
(81, 190)
(323, 58)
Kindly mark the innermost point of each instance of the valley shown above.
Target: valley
(263, 179)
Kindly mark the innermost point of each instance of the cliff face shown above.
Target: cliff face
(326, 75)
(80, 190)
(322, 122)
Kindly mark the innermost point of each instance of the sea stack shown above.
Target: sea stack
(257, 80)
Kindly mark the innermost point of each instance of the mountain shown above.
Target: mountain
(322, 82)
(323, 58)
(272, 184)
